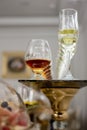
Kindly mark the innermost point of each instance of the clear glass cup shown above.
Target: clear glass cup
(37, 104)
(38, 57)
(68, 31)
(13, 113)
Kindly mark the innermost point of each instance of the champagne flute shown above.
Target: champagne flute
(38, 56)
(67, 38)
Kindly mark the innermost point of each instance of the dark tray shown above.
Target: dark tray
(54, 83)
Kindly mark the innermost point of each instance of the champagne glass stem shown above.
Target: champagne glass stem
(63, 64)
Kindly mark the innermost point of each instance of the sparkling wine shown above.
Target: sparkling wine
(30, 104)
(68, 38)
(67, 46)
(37, 65)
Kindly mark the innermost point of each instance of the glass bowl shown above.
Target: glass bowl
(37, 105)
(13, 114)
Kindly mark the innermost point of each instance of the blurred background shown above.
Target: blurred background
(22, 20)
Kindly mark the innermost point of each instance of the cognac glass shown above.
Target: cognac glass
(38, 57)
(68, 31)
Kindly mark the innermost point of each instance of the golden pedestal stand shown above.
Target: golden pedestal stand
(60, 94)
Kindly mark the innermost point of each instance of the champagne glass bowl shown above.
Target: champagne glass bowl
(13, 114)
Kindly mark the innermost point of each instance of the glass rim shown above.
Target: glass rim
(37, 39)
(69, 9)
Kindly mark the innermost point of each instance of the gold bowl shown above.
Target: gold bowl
(59, 93)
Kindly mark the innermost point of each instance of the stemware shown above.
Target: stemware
(67, 40)
(38, 57)
(37, 104)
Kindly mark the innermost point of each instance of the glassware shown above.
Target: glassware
(60, 93)
(13, 114)
(67, 41)
(38, 56)
(47, 73)
(37, 104)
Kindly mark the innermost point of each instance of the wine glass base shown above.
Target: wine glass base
(69, 76)
(37, 77)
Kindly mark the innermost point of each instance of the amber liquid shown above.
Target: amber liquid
(38, 65)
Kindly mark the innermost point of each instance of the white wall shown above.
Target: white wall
(17, 38)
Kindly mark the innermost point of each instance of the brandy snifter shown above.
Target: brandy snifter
(38, 57)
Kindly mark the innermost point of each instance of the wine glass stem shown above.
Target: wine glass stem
(37, 76)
